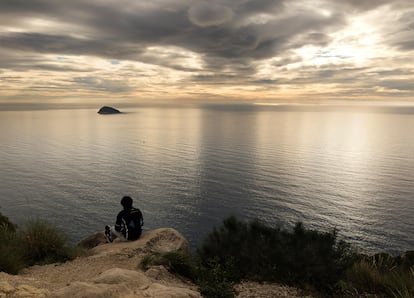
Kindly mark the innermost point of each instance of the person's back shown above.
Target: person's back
(129, 222)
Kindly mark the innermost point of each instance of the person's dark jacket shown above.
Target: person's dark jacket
(129, 222)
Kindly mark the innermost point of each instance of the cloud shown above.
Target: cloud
(64, 44)
(206, 14)
(108, 31)
(403, 38)
(109, 85)
(401, 84)
(365, 4)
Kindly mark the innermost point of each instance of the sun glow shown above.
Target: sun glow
(356, 44)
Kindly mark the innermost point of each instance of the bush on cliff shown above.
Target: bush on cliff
(5, 222)
(211, 278)
(43, 242)
(37, 242)
(304, 258)
(263, 253)
(382, 274)
(11, 257)
(238, 250)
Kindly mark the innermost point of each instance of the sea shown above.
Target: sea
(349, 168)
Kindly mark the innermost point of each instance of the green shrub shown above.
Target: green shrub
(11, 257)
(365, 278)
(179, 263)
(311, 259)
(400, 284)
(42, 242)
(150, 260)
(212, 280)
(4, 221)
(383, 274)
(262, 253)
(10, 260)
(182, 264)
(37, 242)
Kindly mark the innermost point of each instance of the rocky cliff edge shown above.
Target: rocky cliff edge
(110, 270)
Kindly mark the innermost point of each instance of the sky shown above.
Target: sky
(231, 50)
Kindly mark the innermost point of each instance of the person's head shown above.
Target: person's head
(126, 202)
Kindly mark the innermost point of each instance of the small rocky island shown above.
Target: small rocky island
(105, 110)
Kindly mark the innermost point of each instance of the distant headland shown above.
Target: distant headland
(108, 110)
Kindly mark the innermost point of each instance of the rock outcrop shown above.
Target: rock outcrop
(110, 270)
(108, 110)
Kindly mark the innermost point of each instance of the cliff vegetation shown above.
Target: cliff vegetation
(232, 255)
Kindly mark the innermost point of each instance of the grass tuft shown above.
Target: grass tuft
(385, 274)
(11, 255)
(37, 242)
(44, 243)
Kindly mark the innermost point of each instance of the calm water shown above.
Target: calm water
(188, 168)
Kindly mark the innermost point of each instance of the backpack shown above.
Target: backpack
(133, 224)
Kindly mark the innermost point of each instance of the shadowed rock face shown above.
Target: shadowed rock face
(92, 240)
(108, 110)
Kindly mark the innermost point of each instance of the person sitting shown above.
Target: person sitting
(128, 225)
